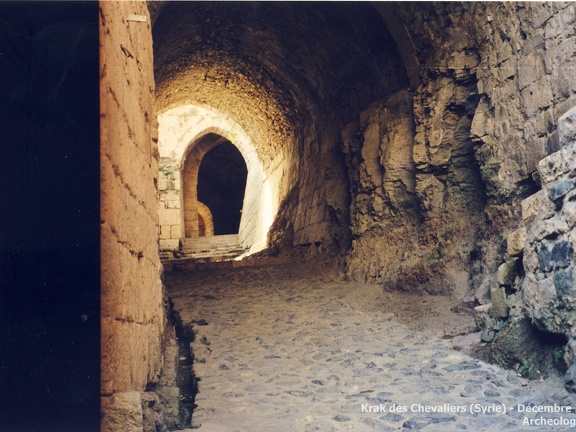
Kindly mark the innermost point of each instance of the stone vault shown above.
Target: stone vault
(403, 137)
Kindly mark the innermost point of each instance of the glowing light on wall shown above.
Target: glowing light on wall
(180, 129)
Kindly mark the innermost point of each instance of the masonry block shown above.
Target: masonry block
(536, 205)
(499, 309)
(169, 244)
(516, 241)
(169, 216)
(163, 184)
(559, 188)
(122, 412)
(552, 167)
(567, 128)
(175, 232)
(564, 281)
(165, 232)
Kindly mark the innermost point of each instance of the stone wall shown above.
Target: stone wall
(546, 243)
(530, 320)
(133, 317)
(489, 94)
(549, 218)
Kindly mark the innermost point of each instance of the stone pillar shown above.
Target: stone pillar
(133, 318)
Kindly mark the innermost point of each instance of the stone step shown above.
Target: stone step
(216, 254)
(216, 244)
(200, 264)
(215, 248)
(212, 240)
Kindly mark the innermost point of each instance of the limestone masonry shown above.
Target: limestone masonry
(427, 148)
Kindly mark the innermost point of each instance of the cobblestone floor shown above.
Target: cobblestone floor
(282, 350)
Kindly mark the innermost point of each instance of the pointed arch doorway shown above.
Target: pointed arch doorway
(186, 134)
(214, 186)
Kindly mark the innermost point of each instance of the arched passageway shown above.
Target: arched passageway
(221, 186)
(187, 135)
(266, 68)
(393, 134)
(214, 177)
(405, 137)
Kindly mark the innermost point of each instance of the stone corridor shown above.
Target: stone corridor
(288, 348)
(426, 148)
(423, 148)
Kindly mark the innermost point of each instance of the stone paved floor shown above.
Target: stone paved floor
(284, 351)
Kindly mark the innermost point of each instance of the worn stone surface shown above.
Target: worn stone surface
(516, 242)
(123, 412)
(408, 226)
(153, 419)
(537, 205)
(161, 405)
(521, 347)
(499, 309)
(567, 129)
(549, 257)
(132, 310)
(509, 273)
(284, 349)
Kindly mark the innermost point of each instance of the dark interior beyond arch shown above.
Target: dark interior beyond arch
(221, 186)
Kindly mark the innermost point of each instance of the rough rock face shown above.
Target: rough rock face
(550, 240)
(483, 116)
(525, 86)
(472, 141)
(522, 347)
(430, 189)
(378, 152)
(535, 283)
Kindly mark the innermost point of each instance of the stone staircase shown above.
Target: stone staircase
(216, 252)
(221, 247)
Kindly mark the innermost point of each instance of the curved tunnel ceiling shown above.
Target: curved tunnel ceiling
(277, 68)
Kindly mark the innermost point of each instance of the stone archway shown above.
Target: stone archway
(187, 133)
(293, 81)
(205, 221)
(221, 184)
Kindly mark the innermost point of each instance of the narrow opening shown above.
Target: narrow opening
(214, 183)
(221, 186)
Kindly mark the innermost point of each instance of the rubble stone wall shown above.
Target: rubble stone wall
(546, 243)
(530, 320)
(494, 79)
